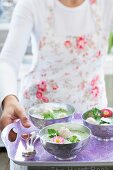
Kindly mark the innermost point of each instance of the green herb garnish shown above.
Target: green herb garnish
(103, 122)
(95, 113)
(63, 110)
(48, 115)
(52, 133)
(60, 111)
(73, 139)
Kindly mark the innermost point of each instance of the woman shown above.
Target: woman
(69, 40)
(69, 44)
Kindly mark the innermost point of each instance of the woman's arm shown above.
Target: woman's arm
(11, 57)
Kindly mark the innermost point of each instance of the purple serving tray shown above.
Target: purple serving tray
(97, 153)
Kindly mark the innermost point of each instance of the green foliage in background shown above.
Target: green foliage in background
(110, 47)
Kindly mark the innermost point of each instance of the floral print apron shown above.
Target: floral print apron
(68, 69)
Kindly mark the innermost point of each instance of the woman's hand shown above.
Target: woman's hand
(12, 110)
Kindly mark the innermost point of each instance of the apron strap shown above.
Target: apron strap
(98, 20)
(50, 7)
(97, 15)
(95, 10)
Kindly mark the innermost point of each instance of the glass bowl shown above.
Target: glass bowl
(101, 132)
(65, 151)
(42, 122)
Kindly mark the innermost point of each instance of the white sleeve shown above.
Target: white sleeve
(14, 48)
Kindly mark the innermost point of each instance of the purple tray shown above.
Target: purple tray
(97, 153)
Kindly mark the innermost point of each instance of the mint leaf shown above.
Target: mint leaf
(52, 133)
(102, 122)
(48, 115)
(73, 139)
(96, 113)
(60, 111)
(63, 110)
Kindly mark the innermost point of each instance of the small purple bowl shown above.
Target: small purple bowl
(40, 122)
(101, 132)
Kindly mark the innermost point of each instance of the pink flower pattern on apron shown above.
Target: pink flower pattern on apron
(81, 42)
(69, 69)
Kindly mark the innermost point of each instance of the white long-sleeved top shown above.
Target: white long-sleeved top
(29, 18)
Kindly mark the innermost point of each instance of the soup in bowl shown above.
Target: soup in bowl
(100, 122)
(48, 113)
(64, 140)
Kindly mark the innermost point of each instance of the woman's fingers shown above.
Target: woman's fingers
(25, 122)
(4, 121)
(22, 116)
(11, 114)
